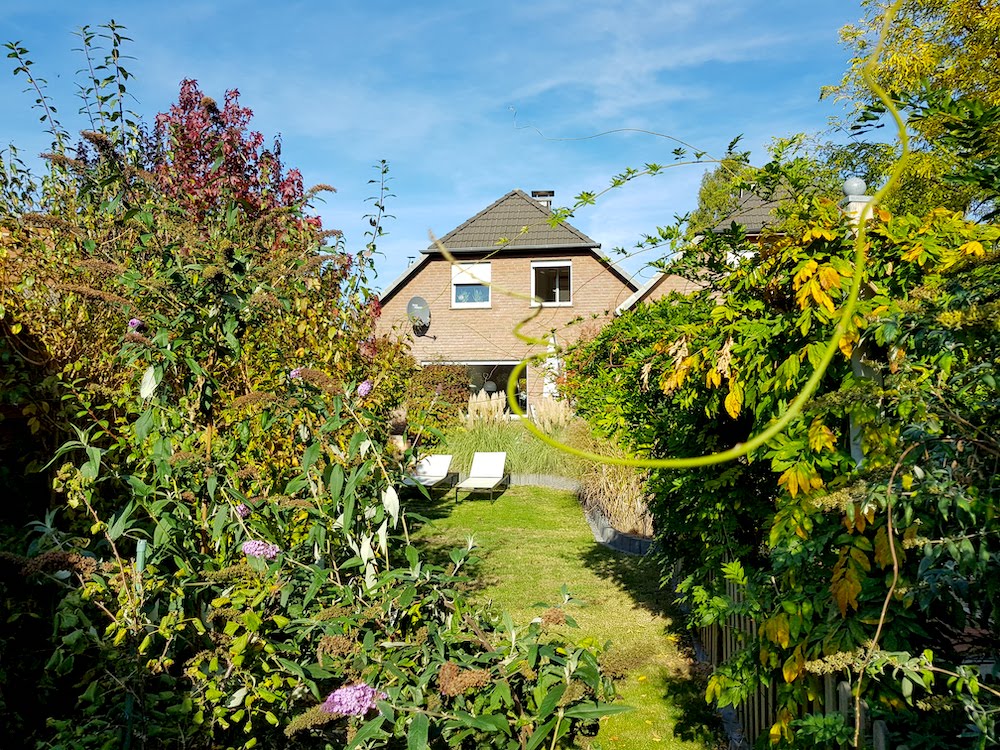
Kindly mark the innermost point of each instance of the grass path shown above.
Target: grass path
(532, 541)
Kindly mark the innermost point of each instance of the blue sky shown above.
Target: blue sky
(467, 100)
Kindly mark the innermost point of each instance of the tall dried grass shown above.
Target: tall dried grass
(485, 409)
(526, 454)
(618, 492)
(551, 415)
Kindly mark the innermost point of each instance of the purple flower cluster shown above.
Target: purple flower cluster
(296, 374)
(243, 510)
(135, 324)
(353, 700)
(364, 388)
(256, 548)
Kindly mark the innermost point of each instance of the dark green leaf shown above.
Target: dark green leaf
(368, 731)
(117, 527)
(416, 737)
(551, 700)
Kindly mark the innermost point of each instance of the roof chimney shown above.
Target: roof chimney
(544, 197)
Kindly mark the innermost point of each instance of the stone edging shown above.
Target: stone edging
(611, 537)
(545, 480)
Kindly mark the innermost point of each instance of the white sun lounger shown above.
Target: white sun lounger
(431, 471)
(487, 474)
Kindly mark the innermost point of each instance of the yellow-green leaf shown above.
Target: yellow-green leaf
(969, 248)
(883, 554)
(821, 437)
(734, 400)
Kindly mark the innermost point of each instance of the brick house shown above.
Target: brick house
(509, 264)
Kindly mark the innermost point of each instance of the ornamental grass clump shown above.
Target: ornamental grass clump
(618, 493)
(551, 414)
(485, 408)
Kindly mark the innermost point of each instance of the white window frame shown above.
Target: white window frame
(471, 274)
(567, 264)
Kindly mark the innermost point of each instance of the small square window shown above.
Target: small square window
(470, 285)
(468, 294)
(551, 283)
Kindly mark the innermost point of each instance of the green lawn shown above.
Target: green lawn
(532, 541)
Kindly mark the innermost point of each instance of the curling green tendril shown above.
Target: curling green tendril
(795, 407)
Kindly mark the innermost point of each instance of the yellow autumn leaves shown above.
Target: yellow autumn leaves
(684, 363)
(940, 239)
(803, 476)
(812, 282)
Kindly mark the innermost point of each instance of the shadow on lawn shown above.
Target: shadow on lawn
(437, 505)
(637, 576)
(697, 721)
(436, 548)
(684, 684)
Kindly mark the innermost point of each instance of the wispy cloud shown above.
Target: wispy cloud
(451, 94)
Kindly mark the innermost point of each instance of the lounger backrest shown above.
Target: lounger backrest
(435, 465)
(488, 465)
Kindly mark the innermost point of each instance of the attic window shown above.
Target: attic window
(470, 285)
(551, 282)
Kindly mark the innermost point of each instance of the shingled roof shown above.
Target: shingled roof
(515, 221)
(752, 212)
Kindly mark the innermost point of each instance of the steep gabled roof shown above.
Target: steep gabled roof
(752, 212)
(516, 221)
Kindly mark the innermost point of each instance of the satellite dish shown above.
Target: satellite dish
(419, 313)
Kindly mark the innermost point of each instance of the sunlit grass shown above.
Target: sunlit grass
(532, 541)
(526, 454)
(618, 492)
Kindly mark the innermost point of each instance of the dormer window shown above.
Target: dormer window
(551, 283)
(470, 285)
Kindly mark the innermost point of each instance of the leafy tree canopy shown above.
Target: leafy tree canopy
(812, 165)
(951, 44)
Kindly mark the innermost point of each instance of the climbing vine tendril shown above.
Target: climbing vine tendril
(811, 386)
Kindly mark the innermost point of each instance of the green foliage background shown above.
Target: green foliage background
(883, 571)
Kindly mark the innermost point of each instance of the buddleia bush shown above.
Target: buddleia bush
(226, 562)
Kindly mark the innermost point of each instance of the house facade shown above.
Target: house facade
(660, 284)
(508, 267)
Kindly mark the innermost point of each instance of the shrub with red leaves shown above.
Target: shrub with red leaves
(213, 156)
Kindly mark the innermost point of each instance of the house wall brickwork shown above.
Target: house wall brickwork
(487, 334)
(667, 284)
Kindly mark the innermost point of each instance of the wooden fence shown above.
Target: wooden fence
(757, 714)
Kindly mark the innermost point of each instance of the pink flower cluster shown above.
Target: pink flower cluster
(257, 548)
(353, 700)
(243, 510)
(364, 388)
